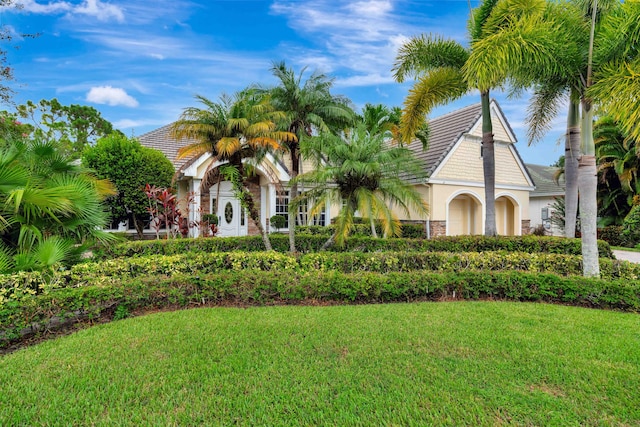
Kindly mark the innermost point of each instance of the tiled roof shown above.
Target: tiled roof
(543, 177)
(160, 139)
(444, 132)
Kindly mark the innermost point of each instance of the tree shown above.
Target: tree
(234, 131)
(6, 36)
(129, 166)
(74, 127)
(308, 107)
(527, 36)
(50, 208)
(618, 168)
(362, 173)
(439, 65)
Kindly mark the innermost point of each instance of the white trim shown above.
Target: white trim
(284, 175)
(503, 121)
(523, 168)
(192, 170)
(448, 156)
(477, 184)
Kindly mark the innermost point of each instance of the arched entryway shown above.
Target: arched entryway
(464, 215)
(507, 216)
(232, 219)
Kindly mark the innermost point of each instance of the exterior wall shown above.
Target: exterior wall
(526, 227)
(464, 164)
(425, 193)
(437, 228)
(499, 131)
(508, 171)
(536, 204)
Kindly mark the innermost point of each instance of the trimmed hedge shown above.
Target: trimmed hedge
(410, 231)
(61, 307)
(22, 286)
(310, 243)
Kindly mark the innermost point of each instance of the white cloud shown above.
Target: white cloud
(102, 11)
(111, 96)
(31, 6)
(95, 8)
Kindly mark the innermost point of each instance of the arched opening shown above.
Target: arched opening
(507, 217)
(464, 215)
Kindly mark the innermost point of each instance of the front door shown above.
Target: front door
(228, 217)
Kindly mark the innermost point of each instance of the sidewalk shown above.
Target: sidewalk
(627, 256)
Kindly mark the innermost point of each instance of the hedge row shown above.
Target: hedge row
(105, 273)
(61, 307)
(409, 231)
(309, 243)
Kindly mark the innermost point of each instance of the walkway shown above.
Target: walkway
(627, 256)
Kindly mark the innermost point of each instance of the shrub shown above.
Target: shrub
(277, 221)
(61, 307)
(312, 243)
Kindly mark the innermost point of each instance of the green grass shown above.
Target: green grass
(462, 363)
(623, 248)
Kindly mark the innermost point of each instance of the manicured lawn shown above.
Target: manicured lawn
(462, 363)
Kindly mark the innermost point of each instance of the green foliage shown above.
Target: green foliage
(72, 127)
(249, 286)
(277, 221)
(631, 226)
(312, 243)
(129, 166)
(361, 173)
(50, 208)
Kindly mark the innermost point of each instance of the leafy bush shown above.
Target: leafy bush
(612, 234)
(61, 307)
(312, 243)
(631, 226)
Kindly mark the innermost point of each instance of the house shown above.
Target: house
(542, 199)
(454, 188)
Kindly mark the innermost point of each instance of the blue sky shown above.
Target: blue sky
(141, 62)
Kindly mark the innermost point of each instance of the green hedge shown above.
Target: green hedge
(45, 311)
(311, 243)
(22, 286)
(411, 231)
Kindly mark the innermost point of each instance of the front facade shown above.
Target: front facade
(454, 190)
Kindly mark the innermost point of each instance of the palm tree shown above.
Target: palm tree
(617, 83)
(308, 107)
(559, 39)
(50, 208)
(618, 168)
(439, 65)
(361, 172)
(233, 130)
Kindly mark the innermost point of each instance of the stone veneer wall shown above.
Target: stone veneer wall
(437, 228)
(526, 226)
(252, 228)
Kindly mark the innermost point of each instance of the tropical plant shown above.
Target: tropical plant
(618, 167)
(308, 107)
(438, 64)
(50, 208)
(363, 173)
(129, 166)
(234, 131)
(532, 41)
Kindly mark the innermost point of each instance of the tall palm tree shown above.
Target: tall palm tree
(234, 130)
(50, 208)
(308, 107)
(361, 172)
(439, 63)
(528, 36)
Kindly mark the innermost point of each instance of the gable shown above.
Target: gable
(501, 129)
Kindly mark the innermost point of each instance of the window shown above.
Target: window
(282, 208)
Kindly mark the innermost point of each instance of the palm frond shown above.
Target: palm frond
(426, 53)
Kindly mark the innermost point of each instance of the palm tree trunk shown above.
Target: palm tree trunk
(295, 167)
(374, 233)
(489, 166)
(588, 184)
(292, 216)
(571, 154)
(330, 241)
